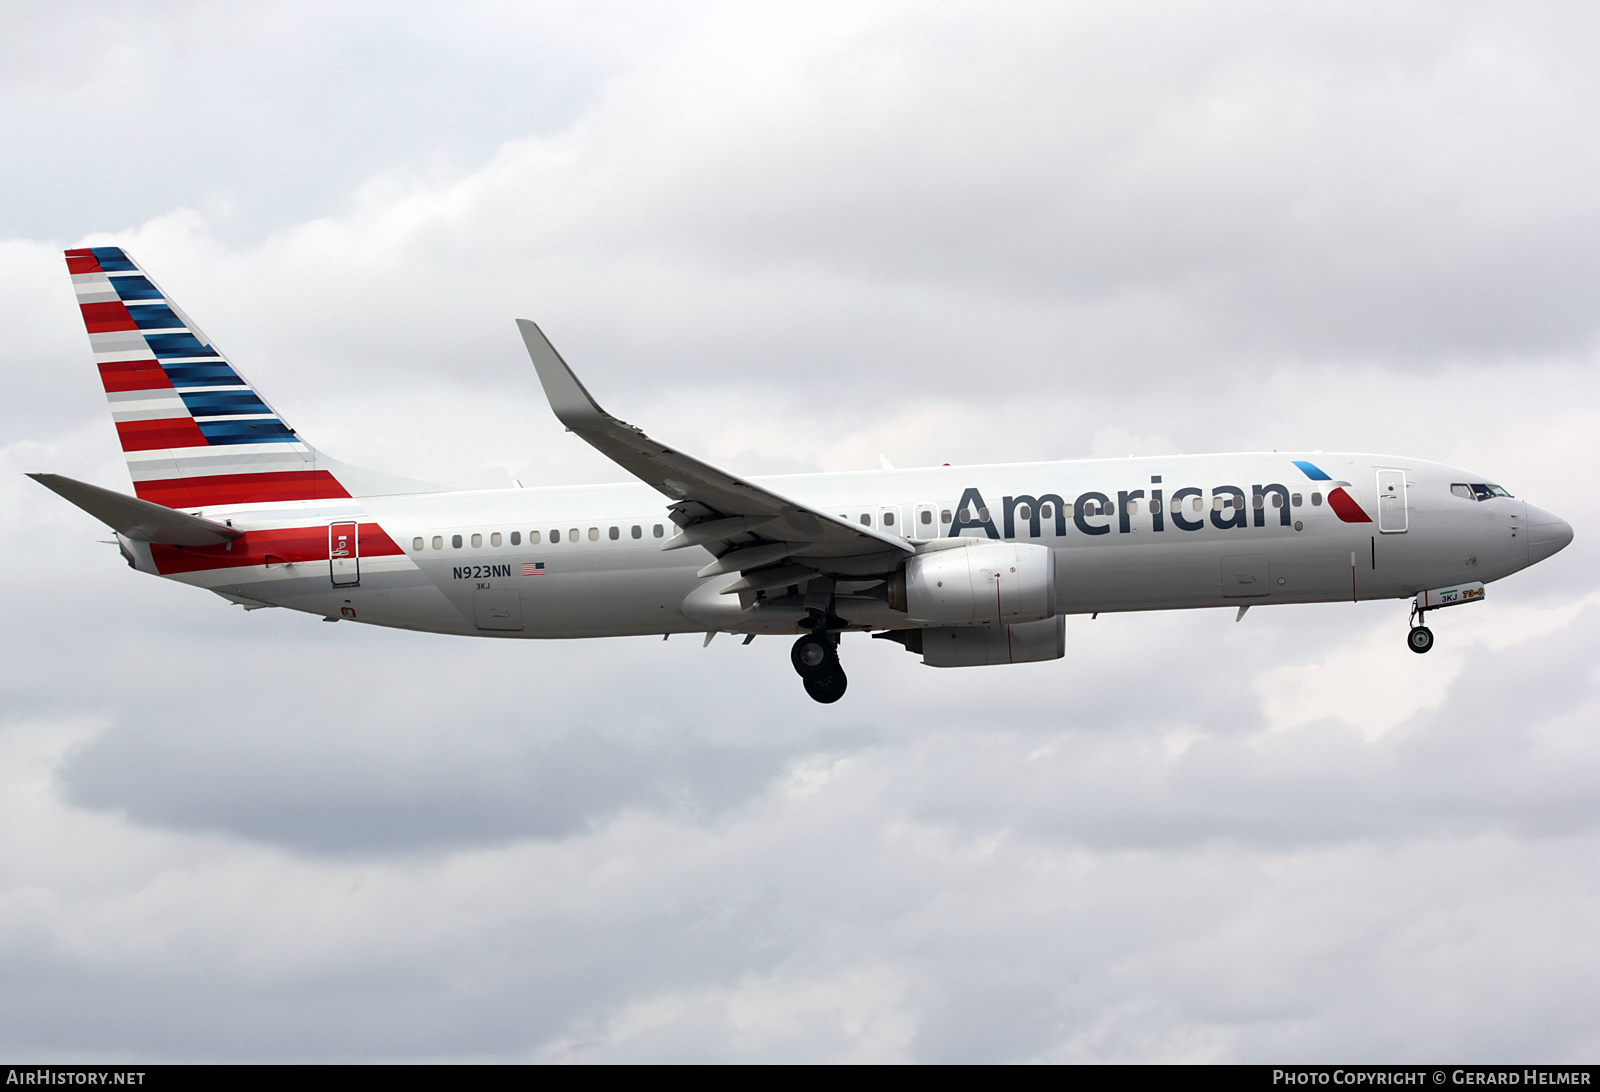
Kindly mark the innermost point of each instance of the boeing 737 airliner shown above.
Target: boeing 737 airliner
(964, 566)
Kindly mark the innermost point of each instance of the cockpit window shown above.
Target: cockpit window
(1478, 490)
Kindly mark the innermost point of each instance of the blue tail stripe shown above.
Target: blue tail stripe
(224, 403)
(1313, 471)
(177, 345)
(135, 288)
(246, 432)
(203, 373)
(111, 259)
(155, 316)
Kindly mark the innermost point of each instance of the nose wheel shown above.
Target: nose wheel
(1420, 639)
(816, 659)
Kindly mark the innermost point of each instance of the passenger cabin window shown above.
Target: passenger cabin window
(1133, 508)
(477, 542)
(572, 534)
(614, 534)
(1277, 500)
(637, 531)
(888, 519)
(926, 518)
(1316, 499)
(516, 538)
(416, 543)
(555, 535)
(1197, 504)
(594, 534)
(1024, 512)
(455, 542)
(983, 515)
(1294, 499)
(656, 531)
(944, 516)
(494, 539)
(533, 538)
(438, 542)
(866, 520)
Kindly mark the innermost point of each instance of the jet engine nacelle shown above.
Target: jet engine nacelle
(980, 646)
(992, 583)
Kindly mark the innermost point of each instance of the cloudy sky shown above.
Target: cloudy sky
(790, 238)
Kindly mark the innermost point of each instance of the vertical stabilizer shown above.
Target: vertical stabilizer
(194, 432)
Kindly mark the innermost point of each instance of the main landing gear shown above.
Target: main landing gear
(816, 658)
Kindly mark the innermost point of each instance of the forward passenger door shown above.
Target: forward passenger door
(1392, 514)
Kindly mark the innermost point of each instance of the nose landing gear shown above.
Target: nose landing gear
(1420, 639)
(816, 659)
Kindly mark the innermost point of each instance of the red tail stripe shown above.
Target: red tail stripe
(82, 261)
(102, 318)
(133, 375)
(285, 485)
(167, 432)
(278, 547)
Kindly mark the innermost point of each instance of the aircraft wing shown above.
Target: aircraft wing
(141, 520)
(748, 527)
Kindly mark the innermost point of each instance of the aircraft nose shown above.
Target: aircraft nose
(1547, 534)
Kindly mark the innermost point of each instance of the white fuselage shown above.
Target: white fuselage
(565, 562)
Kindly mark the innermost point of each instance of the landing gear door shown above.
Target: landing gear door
(1392, 517)
(344, 554)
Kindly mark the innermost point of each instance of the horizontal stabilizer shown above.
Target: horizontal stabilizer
(141, 520)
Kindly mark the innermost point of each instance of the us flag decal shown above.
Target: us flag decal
(533, 568)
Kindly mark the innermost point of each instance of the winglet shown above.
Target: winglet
(141, 520)
(572, 405)
(719, 496)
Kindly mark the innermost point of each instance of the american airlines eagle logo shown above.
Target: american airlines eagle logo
(1343, 504)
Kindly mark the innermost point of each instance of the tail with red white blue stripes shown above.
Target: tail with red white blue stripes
(195, 433)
